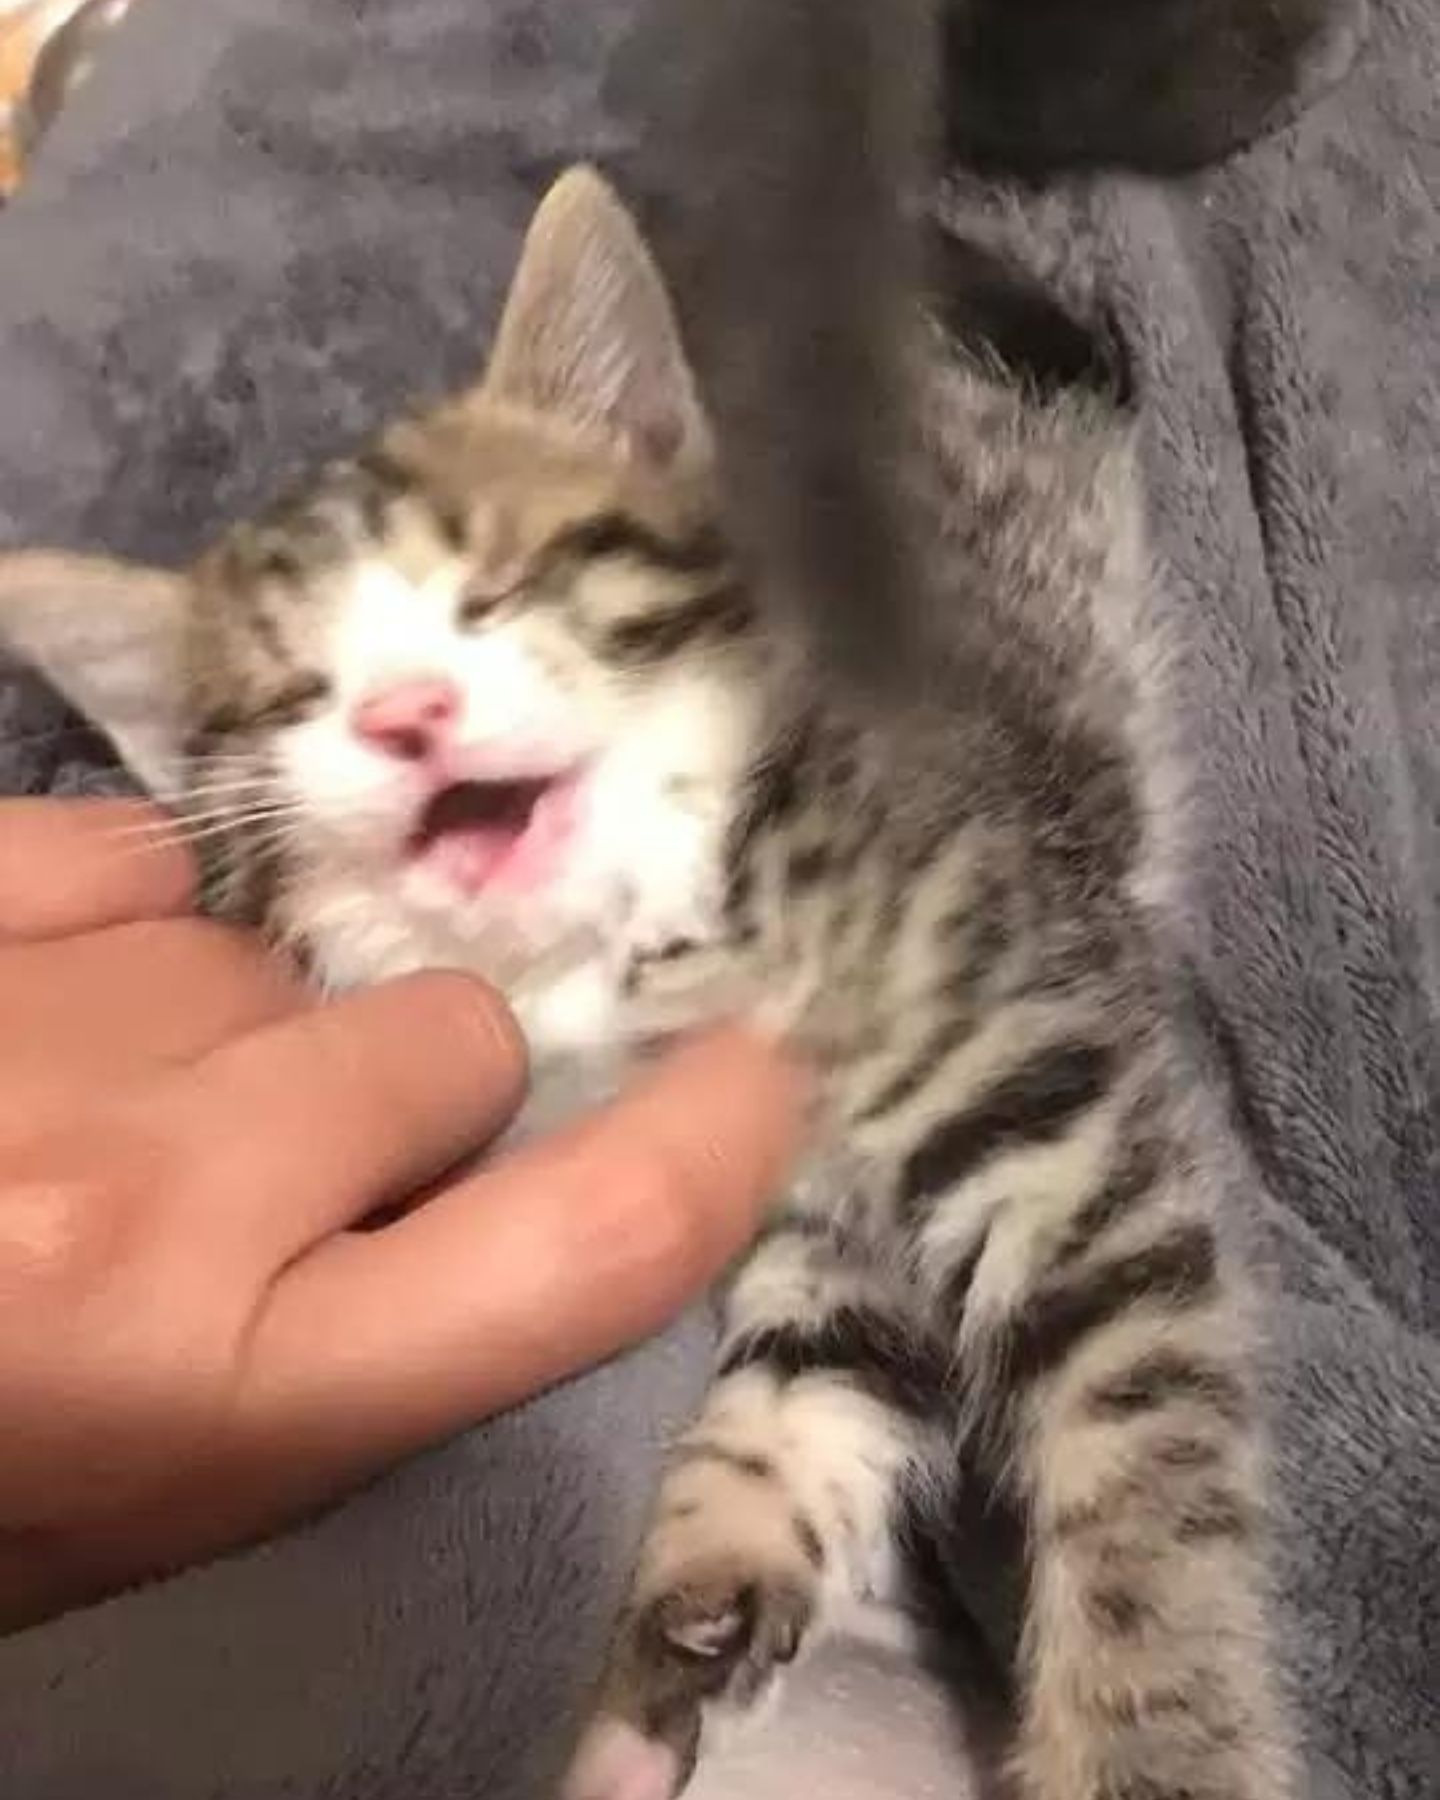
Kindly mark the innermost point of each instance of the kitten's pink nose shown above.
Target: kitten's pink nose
(409, 720)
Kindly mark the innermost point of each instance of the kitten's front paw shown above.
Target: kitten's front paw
(716, 1642)
(727, 1591)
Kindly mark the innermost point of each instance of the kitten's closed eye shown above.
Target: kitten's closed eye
(478, 603)
(552, 569)
(289, 704)
(305, 693)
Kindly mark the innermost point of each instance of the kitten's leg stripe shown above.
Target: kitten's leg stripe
(1034, 1103)
(760, 1468)
(1174, 1270)
(1144, 1663)
(885, 1359)
(1137, 1178)
(1162, 1376)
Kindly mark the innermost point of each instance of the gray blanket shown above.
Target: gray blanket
(220, 274)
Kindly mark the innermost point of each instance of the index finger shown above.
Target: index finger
(68, 866)
(538, 1266)
(307, 1124)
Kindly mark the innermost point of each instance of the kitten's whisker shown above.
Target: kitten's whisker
(211, 776)
(202, 767)
(231, 804)
(239, 821)
(202, 824)
(151, 830)
(222, 789)
(216, 833)
(265, 841)
(172, 825)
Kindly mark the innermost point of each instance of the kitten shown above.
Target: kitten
(499, 693)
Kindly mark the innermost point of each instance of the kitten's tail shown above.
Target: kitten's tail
(794, 131)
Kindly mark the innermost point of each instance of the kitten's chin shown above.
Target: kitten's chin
(359, 926)
(523, 943)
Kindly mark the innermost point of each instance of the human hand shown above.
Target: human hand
(195, 1346)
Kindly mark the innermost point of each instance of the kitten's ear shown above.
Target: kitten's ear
(588, 331)
(109, 636)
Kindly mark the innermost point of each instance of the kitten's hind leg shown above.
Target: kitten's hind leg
(1145, 1666)
(778, 1510)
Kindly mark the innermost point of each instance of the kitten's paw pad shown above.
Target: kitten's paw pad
(731, 1628)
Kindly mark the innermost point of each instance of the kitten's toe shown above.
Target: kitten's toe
(728, 1586)
(712, 1644)
(724, 1632)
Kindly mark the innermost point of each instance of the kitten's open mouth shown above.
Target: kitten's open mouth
(476, 833)
(490, 806)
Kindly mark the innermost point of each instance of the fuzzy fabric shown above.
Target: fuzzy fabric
(265, 224)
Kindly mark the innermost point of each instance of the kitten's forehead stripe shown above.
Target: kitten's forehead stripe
(652, 637)
(283, 706)
(618, 533)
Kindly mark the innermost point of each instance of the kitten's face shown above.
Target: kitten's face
(481, 696)
(497, 670)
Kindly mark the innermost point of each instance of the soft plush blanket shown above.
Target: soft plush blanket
(267, 223)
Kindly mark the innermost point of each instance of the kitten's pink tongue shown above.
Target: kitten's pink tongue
(477, 848)
(469, 856)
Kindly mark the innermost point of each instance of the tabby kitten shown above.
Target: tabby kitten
(496, 693)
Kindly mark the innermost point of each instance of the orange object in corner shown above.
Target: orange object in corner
(26, 27)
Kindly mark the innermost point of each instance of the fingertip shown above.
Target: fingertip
(695, 1152)
(735, 1094)
(472, 1019)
